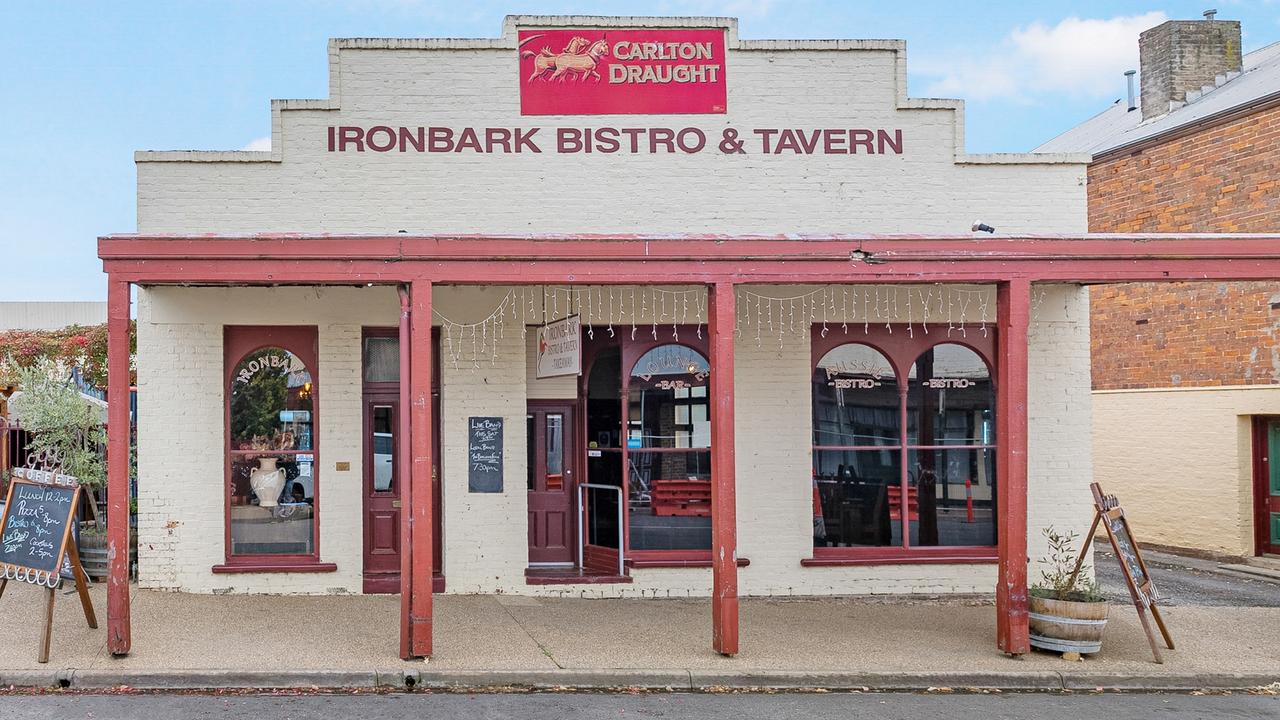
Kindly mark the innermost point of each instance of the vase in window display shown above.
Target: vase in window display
(267, 481)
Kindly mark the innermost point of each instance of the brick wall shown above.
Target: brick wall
(1222, 179)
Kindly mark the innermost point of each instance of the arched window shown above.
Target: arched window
(882, 491)
(857, 447)
(271, 437)
(951, 444)
(668, 442)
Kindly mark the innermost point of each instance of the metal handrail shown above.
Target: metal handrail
(582, 521)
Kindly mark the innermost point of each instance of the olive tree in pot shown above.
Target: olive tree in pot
(1068, 611)
(65, 425)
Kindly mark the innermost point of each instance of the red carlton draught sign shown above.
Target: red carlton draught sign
(622, 72)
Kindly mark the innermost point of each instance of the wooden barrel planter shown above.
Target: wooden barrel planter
(1067, 625)
(93, 554)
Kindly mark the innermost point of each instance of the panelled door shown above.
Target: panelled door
(382, 443)
(1267, 490)
(551, 453)
(382, 504)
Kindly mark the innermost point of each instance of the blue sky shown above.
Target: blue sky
(84, 84)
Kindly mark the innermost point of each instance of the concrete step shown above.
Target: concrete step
(1256, 567)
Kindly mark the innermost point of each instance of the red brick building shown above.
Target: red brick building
(1187, 375)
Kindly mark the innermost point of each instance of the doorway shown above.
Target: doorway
(1266, 484)
(552, 451)
(382, 445)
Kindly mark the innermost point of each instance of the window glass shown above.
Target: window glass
(956, 494)
(950, 398)
(382, 359)
(670, 500)
(555, 451)
(857, 498)
(669, 464)
(272, 468)
(855, 398)
(531, 447)
(271, 402)
(668, 400)
(384, 440)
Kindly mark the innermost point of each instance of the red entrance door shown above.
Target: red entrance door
(382, 446)
(382, 504)
(1267, 484)
(552, 526)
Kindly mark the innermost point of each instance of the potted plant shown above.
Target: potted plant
(1067, 610)
(66, 426)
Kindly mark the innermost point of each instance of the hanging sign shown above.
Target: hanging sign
(621, 72)
(560, 348)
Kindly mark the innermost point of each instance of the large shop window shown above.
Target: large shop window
(272, 488)
(668, 435)
(882, 494)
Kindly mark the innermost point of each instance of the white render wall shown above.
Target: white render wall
(181, 464)
(1186, 483)
(934, 187)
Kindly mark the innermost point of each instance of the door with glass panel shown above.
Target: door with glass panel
(552, 528)
(381, 481)
(382, 504)
(1267, 485)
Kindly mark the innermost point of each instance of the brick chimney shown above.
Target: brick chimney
(1183, 55)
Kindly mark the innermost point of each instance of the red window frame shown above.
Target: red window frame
(902, 346)
(238, 342)
(693, 337)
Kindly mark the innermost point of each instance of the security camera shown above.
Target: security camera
(979, 226)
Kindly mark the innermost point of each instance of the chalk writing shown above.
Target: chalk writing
(484, 454)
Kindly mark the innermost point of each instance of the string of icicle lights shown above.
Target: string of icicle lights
(661, 312)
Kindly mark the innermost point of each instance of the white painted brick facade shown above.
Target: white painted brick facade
(932, 188)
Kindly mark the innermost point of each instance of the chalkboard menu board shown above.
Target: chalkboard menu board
(34, 531)
(1127, 548)
(484, 454)
(1145, 597)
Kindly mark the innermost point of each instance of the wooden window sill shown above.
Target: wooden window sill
(267, 566)
(966, 558)
(657, 563)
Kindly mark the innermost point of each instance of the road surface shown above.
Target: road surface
(572, 706)
(1186, 581)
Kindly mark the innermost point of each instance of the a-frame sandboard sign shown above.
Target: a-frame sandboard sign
(1107, 510)
(36, 544)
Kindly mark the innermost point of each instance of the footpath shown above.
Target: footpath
(220, 641)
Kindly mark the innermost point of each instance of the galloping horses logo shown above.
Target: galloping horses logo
(578, 60)
(610, 71)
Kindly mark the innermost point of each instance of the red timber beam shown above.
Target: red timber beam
(421, 512)
(1013, 316)
(695, 259)
(118, 630)
(722, 314)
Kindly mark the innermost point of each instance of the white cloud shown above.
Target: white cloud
(1080, 57)
(262, 144)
